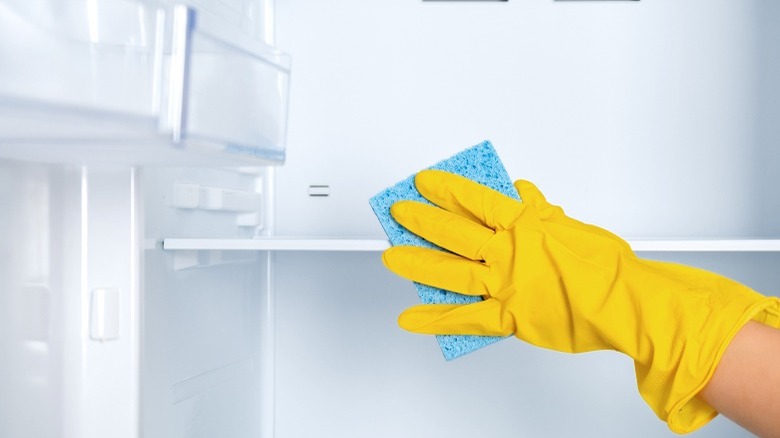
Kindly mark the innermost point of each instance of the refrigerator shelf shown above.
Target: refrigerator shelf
(277, 244)
(709, 245)
(130, 81)
(312, 244)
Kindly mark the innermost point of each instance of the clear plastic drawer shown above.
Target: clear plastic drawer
(131, 81)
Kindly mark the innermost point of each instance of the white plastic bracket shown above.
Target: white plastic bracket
(104, 314)
(246, 204)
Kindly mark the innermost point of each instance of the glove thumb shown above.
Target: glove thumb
(531, 195)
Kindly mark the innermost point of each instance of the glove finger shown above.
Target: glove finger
(438, 269)
(482, 318)
(467, 198)
(530, 194)
(443, 228)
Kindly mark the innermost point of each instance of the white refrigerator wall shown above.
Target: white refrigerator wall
(653, 118)
(205, 313)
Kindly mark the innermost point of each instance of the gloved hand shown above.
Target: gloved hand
(565, 285)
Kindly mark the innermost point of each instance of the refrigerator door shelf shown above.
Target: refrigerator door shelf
(315, 244)
(128, 81)
(250, 17)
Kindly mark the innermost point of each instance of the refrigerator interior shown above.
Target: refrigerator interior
(643, 117)
(343, 368)
(652, 118)
(115, 133)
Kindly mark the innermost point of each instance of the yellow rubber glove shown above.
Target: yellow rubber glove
(565, 285)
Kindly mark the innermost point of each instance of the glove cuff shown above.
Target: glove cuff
(672, 393)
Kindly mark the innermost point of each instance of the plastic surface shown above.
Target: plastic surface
(205, 311)
(237, 97)
(140, 82)
(104, 314)
(67, 232)
(587, 99)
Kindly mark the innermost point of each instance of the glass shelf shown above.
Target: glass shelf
(317, 244)
(136, 82)
(276, 244)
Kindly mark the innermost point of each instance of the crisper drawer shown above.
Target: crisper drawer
(136, 81)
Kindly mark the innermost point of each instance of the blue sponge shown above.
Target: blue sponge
(479, 163)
